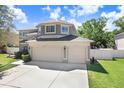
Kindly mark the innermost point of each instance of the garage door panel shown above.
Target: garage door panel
(46, 53)
(77, 54)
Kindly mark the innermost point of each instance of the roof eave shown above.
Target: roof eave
(53, 23)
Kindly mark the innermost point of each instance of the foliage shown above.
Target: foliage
(25, 52)
(94, 29)
(120, 24)
(3, 39)
(6, 40)
(6, 17)
(93, 60)
(26, 58)
(18, 55)
(110, 39)
(6, 23)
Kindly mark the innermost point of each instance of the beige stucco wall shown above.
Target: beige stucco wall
(120, 43)
(72, 30)
(53, 52)
(58, 28)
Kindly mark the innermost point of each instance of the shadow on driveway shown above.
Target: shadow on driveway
(57, 66)
(2, 74)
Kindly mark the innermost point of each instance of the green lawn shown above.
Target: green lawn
(106, 74)
(5, 62)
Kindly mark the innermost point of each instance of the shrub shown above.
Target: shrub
(3, 49)
(93, 60)
(26, 58)
(18, 55)
(114, 59)
(25, 52)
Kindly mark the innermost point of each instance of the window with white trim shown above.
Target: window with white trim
(64, 29)
(50, 29)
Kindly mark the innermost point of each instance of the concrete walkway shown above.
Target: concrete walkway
(45, 75)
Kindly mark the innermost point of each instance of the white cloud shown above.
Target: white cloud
(112, 16)
(121, 8)
(20, 15)
(65, 7)
(75, 22)
(84, 10)
(88, 9)
(71, 20)
(73, 12)
(47, 8)
(62, 18)
(108, 15)
(56, 13)
(35, 23)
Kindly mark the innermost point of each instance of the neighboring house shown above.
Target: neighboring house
(57, 42)
(119, 40)
(25, 35)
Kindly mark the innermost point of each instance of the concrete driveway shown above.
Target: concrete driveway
(45, 75)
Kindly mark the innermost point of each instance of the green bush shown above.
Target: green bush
(26, 58)
(25, 52)
(114, 59)
(93, 60)
(18, 55)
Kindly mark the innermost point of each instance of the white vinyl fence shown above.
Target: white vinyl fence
(12, 50)
(106, 53)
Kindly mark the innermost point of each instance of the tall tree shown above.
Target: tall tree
(6, 22)
(110, 40)
(94, 29)
(6, 17)
(120, 24)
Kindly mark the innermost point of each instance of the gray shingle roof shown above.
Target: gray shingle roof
(65, 38)
(119, 36)
(27, 29)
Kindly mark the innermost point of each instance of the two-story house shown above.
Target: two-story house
(57, 41)
(25, 35)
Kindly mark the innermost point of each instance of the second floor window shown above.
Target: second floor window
(22, 33)
(64, 29)
(50, 29)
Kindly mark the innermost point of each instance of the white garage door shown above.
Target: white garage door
(77, 54)
(47, 53)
